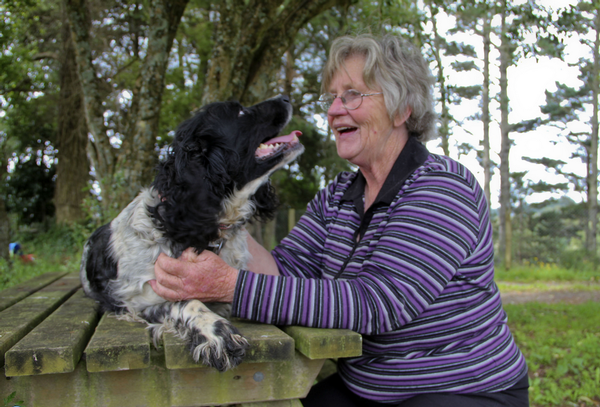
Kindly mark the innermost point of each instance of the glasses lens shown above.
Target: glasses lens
(325, 101)
(352, 99)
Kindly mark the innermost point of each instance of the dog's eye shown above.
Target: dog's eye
(241, 113)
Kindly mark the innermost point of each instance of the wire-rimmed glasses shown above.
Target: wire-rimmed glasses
(351, 99)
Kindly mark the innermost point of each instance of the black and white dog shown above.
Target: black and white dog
(214, 179)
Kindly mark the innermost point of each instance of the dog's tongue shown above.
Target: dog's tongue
(285, 139)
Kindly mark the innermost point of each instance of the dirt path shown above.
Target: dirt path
(550, 294)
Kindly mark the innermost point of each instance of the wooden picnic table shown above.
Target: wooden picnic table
(58, 350)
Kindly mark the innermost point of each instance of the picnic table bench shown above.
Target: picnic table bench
(58, 350)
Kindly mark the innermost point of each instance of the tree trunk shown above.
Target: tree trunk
(486, 162)
(249, 42)
(505, 204)
(133, 164)
(72, 170)
(444, 129)
(100, 152)
(138, 156)
(592, 181)
(4, 231)
(4, 220)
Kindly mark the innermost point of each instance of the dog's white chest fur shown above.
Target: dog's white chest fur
(137, 243)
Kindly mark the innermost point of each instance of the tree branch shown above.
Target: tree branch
(44, 55)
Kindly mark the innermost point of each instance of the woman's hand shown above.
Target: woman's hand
(205, 277)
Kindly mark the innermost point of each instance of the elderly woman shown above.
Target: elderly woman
(400, 251)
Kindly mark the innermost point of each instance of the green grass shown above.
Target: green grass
(56, 250)
(547, 286)
(545, 273)
(561, 346)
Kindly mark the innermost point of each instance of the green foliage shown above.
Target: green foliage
(549, 232)
(11, 400)
(186, 74)
(29, 133)
(22, 28)
(58, 249)
(560, 343)
(30, 189)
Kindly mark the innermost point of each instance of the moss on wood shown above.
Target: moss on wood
(56, 345)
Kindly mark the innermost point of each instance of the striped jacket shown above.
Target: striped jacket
(414, 275)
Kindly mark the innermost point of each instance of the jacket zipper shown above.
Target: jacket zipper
(362, 229)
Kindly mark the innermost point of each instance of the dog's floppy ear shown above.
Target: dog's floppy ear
(266, 202)
(188, 209)
(198, 149)
(189, 142)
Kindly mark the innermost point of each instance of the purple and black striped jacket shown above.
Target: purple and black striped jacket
(414, 275)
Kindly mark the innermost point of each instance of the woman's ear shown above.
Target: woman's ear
(400, 119)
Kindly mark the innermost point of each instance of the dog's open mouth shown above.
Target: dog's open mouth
(277, 145)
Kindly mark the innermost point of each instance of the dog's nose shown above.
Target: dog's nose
(285, 98)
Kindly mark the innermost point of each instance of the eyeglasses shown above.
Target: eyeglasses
(351, 99)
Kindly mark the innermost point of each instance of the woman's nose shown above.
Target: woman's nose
(337, 108)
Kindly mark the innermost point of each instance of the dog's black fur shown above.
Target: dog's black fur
(211, 183)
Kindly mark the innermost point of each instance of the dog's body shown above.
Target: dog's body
(214, 180)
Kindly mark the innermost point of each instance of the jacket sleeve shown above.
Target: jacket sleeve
(431, 228)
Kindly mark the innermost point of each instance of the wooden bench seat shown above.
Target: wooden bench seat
(59, 351)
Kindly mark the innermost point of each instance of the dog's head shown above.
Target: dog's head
(225, 151)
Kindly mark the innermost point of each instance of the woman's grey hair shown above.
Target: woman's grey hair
(399, 69)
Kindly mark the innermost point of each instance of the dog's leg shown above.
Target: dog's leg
(211, 338)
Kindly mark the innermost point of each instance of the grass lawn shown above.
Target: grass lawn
(56, 250)
(561, 343)
(546, 273)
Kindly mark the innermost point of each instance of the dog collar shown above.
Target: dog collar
(216, 246)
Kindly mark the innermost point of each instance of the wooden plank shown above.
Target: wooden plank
(18, 320)
(249, 382)
(267, 344)
(162, 387)
(56, 345)
(12, 295)
(118, 345)
(316, 343)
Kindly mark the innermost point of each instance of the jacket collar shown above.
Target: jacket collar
(412, 156)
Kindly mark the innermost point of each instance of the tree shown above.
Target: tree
(448, 57)
(27, 111)
(248, 42)
(72, 169)
(249, 37)
(584, 18)
(516, 20)
(123, 171)
(506, 57)
(476, 17)
(568, 105)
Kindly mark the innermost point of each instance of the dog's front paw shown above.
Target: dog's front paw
(223, 348)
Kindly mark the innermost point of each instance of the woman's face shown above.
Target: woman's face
(366, 135)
